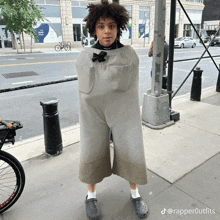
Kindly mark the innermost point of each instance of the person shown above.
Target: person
(165, 57)
(108, 83)
(7, 124)
(83, 38)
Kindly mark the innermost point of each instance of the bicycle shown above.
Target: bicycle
(63, 45)
(12, 176)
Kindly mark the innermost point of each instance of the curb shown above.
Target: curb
(39, 84)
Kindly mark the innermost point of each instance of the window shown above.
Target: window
(79, 9)
(198, 1)
(144, 21)
(50, 11)
(47, 2)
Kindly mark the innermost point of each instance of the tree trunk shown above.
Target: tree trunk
(31, 43)
(23, 40)
(21, 43)
(15, 41)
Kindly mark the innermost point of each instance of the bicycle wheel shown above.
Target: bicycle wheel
(67, 47)
(57, 47)
(12, 180)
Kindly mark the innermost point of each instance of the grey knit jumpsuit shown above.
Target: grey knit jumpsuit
(109, 101)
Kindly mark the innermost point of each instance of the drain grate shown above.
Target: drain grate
(19, 74)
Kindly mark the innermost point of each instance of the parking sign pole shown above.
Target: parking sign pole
(155, 110)
(158, 48)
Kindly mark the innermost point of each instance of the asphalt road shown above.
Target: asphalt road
(24, 105)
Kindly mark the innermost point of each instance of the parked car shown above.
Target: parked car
(205, 39)
(185, 42)
(215, 41)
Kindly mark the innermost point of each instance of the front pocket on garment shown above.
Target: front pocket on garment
(120, 77)
(86, 77)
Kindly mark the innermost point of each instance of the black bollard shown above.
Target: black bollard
(164, 82)
(218, 82)
(52, 132)
(196, 85)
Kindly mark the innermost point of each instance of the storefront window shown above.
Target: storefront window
(77, 32)
(144, 21)
(85, 31)
(126, 34)
(79, 12)
(187, 30)
(5, 38)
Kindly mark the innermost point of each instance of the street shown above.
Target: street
(24, 105)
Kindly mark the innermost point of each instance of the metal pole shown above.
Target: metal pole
(158, 48)
(218, 82)
(171, 50)
(155, 110)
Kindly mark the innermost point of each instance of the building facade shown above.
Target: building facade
(63, 21)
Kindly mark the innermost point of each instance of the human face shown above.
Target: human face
(106, 31)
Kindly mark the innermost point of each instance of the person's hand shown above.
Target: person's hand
(9, 125)
(151, 48)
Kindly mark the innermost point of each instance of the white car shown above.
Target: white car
(185, 42)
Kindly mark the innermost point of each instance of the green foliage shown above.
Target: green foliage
(20, 16)
(1, 3)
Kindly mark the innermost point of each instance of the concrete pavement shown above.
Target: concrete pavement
(10, 51)
(183, 163)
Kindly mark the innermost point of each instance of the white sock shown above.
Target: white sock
(91, 195)
(134, 193)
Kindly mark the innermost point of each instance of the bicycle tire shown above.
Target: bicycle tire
(67, 47)
(57, 48)
(12, 180)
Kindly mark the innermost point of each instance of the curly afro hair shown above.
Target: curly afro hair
(106, 10)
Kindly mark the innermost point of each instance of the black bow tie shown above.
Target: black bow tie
(100, 57)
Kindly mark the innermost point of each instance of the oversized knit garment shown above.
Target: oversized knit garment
(109, 101)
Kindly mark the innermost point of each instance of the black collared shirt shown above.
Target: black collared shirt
(113, 46)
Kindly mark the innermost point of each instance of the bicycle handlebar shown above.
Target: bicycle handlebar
(15, 124)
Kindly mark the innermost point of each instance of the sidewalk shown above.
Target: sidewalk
(183, 170)
(10, 51)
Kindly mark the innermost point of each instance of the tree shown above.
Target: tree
(20, 17)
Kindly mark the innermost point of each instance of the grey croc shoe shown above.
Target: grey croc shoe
(92, 209)
(140, 207)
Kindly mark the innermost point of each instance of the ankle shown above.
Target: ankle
(91, 195)
(133, 186)
(134, 193)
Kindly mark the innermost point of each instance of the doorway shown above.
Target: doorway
(5, 38)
